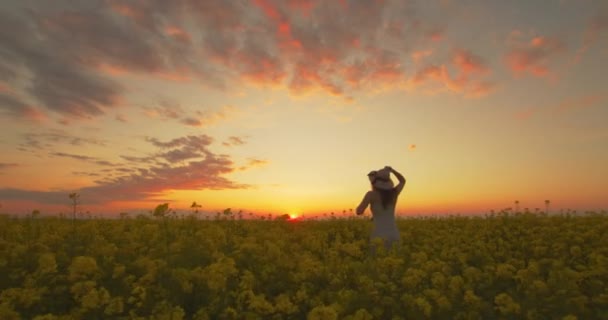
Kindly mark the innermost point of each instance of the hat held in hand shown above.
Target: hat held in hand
(380, 179)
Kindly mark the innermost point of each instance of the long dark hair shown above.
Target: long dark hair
(386, 196)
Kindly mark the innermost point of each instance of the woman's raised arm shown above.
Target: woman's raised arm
(400, 177)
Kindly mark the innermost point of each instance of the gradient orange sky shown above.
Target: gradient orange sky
(272, 106)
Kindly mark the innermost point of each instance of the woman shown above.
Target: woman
(382, 200)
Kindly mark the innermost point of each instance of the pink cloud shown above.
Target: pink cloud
(481, 89)
(4, 88)
(468, 80)
(178, 33)
(417, 56)
(13, 104)
(534, 56)
(468, 63)
(436, 35)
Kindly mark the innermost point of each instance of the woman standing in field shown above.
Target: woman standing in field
(382, 200)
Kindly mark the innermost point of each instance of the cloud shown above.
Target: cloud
(233, 141)
(192, 122)
(208, 117)
(166, 110)
(533, 57)
(5, 165)
(253, 163)
(67, 59)
(86, 174)
(57, 80)
(595, 28)
(200, 141)
(465, 74)
(149, 159)
(82, 158)
(52, 138)
(184, 163)
(417, 56)
(198, 118)
(468, 63)
(73, 156)
(10, 105)
(121, 118)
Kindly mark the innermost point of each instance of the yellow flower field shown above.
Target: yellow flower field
(504, 266)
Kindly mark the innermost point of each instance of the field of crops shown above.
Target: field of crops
(499, 267)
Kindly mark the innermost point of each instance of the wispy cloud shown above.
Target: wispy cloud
(199, 117)
(165, 110)
(38, 141)
(469, 78)
(82, 158)
(233, 141)
(253, 163)
(121, 118)
(532, 56)
(184, 163)
(11, 105)
(73, 156)
(7, 165)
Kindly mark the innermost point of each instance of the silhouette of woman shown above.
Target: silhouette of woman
(382, 200)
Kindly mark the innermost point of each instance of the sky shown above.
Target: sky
(284, 106)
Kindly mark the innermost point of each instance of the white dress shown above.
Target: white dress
(384, 222)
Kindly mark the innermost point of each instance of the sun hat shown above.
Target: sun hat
(381, 179)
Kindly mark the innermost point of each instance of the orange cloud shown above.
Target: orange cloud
(252, 163)
(4, 165)
(533, 56)
(304, 6)
(111, 70)
(421, 54)
(480, 89)
(468, 63)
(268, 8)
(179, 34)
(5, 88)
(468, 79)
(436, 35)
